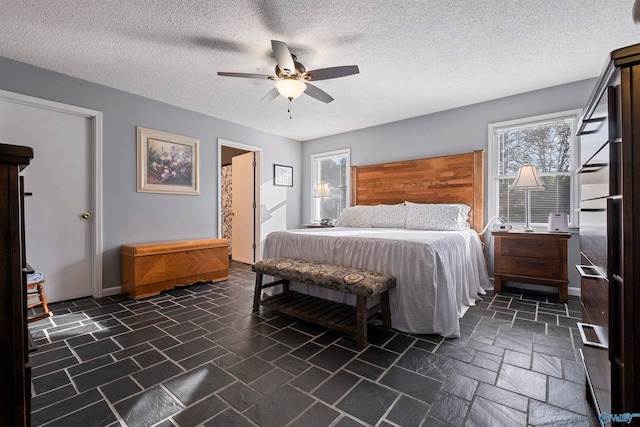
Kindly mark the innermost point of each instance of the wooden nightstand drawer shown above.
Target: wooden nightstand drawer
(528, 266)
(533, 248)
(535, 258)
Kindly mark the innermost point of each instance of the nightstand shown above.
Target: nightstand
(317, 225)
(536, 258)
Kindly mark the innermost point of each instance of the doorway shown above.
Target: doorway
(239, 199)
(62, 214)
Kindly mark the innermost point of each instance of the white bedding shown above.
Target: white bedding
(439, 273)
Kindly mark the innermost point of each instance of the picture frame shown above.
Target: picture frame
(282, 175)
(167, 163)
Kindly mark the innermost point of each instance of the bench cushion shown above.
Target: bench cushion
(344, 279)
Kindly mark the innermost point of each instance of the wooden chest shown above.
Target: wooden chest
(149, 268)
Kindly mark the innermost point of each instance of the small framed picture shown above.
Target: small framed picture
(282, 175)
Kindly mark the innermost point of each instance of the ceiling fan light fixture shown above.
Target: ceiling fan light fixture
(290, 88)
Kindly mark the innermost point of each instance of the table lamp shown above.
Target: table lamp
(322, 192)
(527, 180)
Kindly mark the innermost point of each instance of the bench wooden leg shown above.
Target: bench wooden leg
(257, 292)
(361, 320)
(386, 310)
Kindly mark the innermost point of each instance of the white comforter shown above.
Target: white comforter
(439, 273)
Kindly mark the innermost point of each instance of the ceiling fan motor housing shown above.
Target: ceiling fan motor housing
(298, 72)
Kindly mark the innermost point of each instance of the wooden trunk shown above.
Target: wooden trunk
(149, 268)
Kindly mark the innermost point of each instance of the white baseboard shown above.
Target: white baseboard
(107, 292)
(574, 291)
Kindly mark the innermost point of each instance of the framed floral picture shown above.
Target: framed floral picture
(167, 163)
(283, 175)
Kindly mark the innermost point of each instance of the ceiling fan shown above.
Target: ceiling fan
(292, 79)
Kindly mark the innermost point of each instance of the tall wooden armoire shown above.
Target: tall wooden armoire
(15, 372)
(610, 236)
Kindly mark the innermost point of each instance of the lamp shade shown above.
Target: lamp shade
(322, 191)
(291, 88)
(527, 179)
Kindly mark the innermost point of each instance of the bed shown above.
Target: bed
(439, 273)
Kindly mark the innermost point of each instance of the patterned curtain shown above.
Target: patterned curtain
(226, 203)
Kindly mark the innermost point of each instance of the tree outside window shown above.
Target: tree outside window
(549, 146)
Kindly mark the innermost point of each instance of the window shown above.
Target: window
(546, 142)
(332, 169)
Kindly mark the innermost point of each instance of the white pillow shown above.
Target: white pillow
(389, 216)
(379, 216)
(355, 216)
(438, 217)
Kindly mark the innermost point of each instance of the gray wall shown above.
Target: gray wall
(131, 217)
(454, 131)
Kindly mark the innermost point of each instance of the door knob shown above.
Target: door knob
(86, 215)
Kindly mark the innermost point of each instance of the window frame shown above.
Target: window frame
(314, 178)
(493, 162)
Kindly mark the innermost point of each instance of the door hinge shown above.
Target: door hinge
(254, 164)
(254, 205)
(254, 246)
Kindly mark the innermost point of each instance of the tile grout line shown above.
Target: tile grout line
(490, 330)
(112, 407)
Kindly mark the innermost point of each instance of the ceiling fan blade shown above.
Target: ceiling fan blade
(318, 94)
(246, 75)
(271, 95)
(283, 56)
(332, 72)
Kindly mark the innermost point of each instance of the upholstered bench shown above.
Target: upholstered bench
(340, 317)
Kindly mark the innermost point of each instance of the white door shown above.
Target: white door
(58, 237)
(243, 202)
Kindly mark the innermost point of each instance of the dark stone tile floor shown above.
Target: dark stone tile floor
(199, 356)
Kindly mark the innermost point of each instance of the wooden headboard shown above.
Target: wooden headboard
(457, 178)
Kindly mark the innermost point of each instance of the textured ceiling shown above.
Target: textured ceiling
(415, 57)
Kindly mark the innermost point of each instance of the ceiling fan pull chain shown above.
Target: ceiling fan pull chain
(289, 109)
